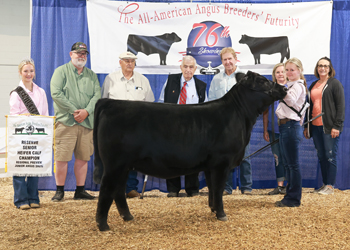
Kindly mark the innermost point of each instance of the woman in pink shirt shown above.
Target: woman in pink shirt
(26, 193)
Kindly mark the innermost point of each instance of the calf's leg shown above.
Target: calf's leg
(209, 184)
(218, 179)
(105, 200)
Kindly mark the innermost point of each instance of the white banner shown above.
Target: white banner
(29, 145)
(161, 33)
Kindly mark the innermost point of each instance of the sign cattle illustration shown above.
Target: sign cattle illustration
(267, 45)
(152, 44)
(169, 140)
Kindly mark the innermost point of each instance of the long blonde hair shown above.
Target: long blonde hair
(299, 65)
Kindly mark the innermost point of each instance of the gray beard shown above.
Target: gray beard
(79, 63)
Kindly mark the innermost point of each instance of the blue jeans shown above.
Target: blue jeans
(25, 190)
(245, 174)
(327, 148)
(290, 138)
(132, 182)
(279, 166)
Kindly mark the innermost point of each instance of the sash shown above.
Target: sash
(28, 102)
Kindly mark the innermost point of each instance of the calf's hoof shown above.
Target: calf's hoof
(103, 227)
(128, 217)
(223, 218)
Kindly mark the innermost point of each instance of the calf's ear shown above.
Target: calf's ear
(239, 76)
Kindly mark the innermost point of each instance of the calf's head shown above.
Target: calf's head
(266, 91)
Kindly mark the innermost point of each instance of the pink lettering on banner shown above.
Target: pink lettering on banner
(275, 21)
(242, 12)
(225, 32)
(127, 10)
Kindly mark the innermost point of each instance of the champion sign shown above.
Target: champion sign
(205, 42)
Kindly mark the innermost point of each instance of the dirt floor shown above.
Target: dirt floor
(321, 222)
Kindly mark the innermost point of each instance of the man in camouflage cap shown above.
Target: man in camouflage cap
(75, 90)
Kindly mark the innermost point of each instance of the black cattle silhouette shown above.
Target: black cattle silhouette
(40, 130)
(152, 44)
(19, 130)
(267, 45)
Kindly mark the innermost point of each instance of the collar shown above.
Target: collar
(24, 87)
(290, 84)
(233, 74)
(71, 65)
(190, 82)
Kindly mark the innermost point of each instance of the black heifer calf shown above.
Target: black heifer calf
(267, 45)
(169, 140)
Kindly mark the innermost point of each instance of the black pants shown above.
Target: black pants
(191, 184)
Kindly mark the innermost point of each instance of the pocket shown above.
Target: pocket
(221, 85)
(139, 95)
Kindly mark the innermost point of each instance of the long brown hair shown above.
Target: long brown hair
(331, 72)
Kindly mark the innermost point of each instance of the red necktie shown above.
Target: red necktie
(183, 94)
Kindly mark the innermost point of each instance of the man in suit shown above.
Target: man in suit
(184, 88)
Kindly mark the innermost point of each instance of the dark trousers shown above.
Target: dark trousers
(290, 138)
(191, 184)
(327, 148)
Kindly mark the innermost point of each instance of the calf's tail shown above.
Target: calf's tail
(98, 166)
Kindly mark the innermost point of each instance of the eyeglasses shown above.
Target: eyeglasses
(323, 66)
(127, 61)
(81, 53)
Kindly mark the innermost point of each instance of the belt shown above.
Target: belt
(283, 121)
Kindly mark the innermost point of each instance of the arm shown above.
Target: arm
(15, 101)
(57, 84)
(97, 95)
(45, 106)
(339, 99)
(149, 93)
(161, 97)
(211, 95)
(293, 94)
(265, 123)
(105, 87)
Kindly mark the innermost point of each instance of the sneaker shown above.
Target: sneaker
(24, 207)
(281, 204)
(247, 192)
(34, 205)
(225, 193)
(318, 190)
(327, 190)
(58, 196)
(278, 190)
(83, 196)
(193, 194)
(283, 190)
(173, 194)
(133, 194)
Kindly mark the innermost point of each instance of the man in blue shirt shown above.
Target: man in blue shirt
(219, 86)
(195, 92)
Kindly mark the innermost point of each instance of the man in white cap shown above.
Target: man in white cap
(127, 84)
